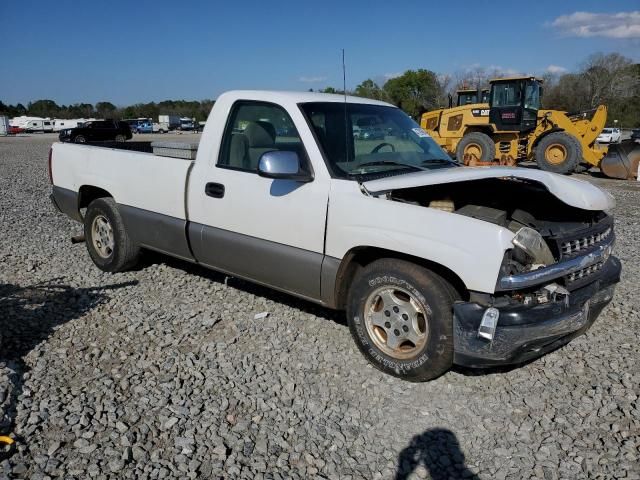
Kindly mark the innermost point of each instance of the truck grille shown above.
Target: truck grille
(585, 272)
(581, 243)
(571, 247)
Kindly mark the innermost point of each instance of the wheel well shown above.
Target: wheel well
(88, 193)
(359, 257)
(479, 129)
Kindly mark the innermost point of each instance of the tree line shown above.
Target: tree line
(48, 108)
(610, 79)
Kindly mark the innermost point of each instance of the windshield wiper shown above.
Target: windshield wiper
(440, 160)
(388, 162)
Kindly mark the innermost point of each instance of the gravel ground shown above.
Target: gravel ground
(163, 372)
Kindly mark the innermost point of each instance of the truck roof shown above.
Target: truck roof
(298, 97)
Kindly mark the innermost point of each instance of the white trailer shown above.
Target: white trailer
(64, 123)
(33, 124)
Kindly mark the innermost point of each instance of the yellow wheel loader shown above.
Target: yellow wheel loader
(512, 127)
(466, 96)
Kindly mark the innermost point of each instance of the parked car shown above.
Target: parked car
(148, 127)
(15, 130)
(434, 263)
(144, 128)
(635, 135)
(97, 131)
(609, 135)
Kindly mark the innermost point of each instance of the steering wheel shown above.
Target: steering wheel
(381, 146)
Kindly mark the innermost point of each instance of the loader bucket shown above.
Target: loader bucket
(622, 161)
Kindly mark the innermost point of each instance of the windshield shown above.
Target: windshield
(607, 130)
(360, 139)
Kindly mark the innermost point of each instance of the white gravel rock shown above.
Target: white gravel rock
(163, 372)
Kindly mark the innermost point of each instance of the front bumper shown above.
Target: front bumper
(526, 332)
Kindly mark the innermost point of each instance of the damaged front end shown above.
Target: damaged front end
(529, 322)
(553, 283)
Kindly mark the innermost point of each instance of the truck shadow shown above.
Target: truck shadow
(150, 258)
(436, 450)
(28, 316)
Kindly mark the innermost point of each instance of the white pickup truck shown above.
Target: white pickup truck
(433, 262)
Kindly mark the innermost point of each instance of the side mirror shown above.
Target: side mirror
(283, 165)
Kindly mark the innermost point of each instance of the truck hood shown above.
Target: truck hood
(573, 192)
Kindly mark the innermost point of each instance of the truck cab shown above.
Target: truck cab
(514, 103)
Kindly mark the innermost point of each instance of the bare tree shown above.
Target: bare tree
(608, 76)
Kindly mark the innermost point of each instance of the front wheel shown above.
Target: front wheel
(474, 147)
(79, 139)
(401, 317)
(121, 138)
(108, 243)
(558, 152)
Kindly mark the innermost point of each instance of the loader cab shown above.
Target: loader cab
(514, 103)
(469, 97)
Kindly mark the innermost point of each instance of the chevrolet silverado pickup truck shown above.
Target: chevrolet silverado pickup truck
(434, 263)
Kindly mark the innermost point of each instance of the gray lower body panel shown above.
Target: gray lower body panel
(303, 273)
(156, 231)
(279, 266)
(329, 277)
(66, 201)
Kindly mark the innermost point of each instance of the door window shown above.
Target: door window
(255, 128)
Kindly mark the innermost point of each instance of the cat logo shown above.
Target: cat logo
(480, 112)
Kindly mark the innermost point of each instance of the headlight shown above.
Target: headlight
(531, 242)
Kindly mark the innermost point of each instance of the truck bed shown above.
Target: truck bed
(144, 147)
(128, 171)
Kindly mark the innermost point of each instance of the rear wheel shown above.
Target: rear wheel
(558, 152)
(476, 145)
(401, 317)
(107, 240)
(121, 138)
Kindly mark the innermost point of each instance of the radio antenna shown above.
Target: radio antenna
(344, 91)
(344, 78)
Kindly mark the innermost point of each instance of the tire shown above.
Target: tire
(379, 292)
(477, 144)
(558, 152)
(121, 138)
(79, 139)
(103, 222)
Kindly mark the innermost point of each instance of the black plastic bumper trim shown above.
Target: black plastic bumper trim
(527, 332)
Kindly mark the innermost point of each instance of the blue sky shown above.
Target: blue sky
(142, 50)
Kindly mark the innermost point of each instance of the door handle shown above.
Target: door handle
(215, 190)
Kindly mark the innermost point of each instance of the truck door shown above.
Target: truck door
(270, 231)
